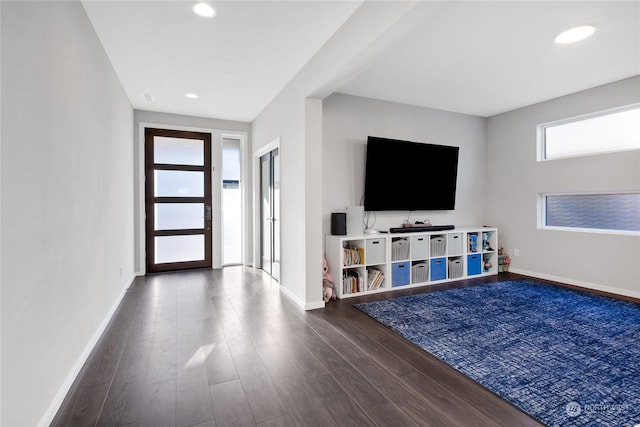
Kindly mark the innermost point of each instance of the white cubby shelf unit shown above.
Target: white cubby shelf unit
(372, 263)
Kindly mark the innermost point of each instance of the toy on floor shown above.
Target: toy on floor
(328, 290)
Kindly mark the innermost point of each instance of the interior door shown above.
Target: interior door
(270, 212)
(178, 200)
(265, 211)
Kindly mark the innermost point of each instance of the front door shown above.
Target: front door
(178, 200)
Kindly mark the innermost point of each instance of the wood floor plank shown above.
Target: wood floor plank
(161, 364)
(261, 395)
(218, 361)
(127, 383)
(375, 404)
(284, 421)
(293, 388)
(193, 404)
(230, 405)
(157, 404)
(193, 400)
(84, 407)
(344, 410)
(304, 364)
(108, 352)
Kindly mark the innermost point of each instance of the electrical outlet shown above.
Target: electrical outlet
(516, 252)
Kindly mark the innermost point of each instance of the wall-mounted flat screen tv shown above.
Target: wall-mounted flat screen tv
(409, 176)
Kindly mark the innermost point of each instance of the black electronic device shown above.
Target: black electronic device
(421, 228)
(339, 223)
(409, 176)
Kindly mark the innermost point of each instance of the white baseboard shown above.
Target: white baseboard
(580, 283)
(291, 297)
(314, 305)
(48, 417)
(304, 306)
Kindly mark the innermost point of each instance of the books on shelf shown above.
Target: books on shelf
(472, 242)
(353, 256)
(374, 278)
(352, 282)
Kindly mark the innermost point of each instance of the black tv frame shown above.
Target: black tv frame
(403, 175)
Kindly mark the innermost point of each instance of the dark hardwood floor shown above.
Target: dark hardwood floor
(225, 348)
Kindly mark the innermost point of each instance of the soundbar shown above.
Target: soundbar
(420, 228)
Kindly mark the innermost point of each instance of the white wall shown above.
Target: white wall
(348, 120)
(217, 128)
(67, 201)
(295, 117)
(599, 261)
(286, 121)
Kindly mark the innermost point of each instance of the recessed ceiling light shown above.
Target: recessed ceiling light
(191, 95)
(575, 34)
(204, 9)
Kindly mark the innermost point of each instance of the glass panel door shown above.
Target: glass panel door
(265, 202)
(270, 212)
(178, 200)
(275, 218)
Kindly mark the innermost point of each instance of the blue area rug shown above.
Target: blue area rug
(565, 357)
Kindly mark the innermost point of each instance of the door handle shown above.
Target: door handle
(207, 213)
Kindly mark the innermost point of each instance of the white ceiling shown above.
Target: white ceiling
(472, 57)
(485, 58)
(236, 62)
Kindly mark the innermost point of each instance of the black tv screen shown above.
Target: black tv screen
(409, 176)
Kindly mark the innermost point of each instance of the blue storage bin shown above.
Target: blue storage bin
(474, 264)
(400, 273)
(438, 269)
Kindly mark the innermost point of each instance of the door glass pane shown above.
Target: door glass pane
(231, 203)
(230, 159)
(276, 215)
(171, 183)
(179, 248)
(178, 151)
(176, 216)
(265, 183)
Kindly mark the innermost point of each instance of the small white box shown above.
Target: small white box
(454, 243)
(420, 247)
(374, 251)
(355, 215)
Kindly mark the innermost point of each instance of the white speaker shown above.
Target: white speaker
(354, 220)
